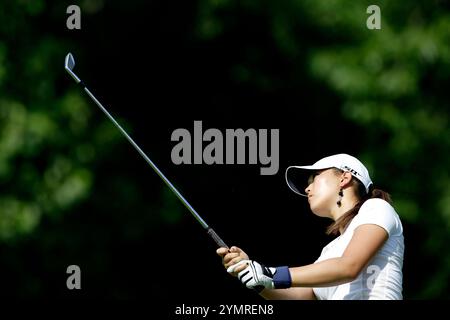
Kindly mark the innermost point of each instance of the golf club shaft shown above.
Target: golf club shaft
(209, 230)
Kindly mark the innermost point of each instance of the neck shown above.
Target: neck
(348, 202)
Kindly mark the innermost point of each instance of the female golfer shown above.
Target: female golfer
(365, 260)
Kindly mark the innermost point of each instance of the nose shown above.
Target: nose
(307, 189)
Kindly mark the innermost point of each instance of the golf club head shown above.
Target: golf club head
(70, 61)
(69, 64)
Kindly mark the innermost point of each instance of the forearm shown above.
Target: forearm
(326, 273)
(288, 294)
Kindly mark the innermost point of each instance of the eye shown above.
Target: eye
(311, 177)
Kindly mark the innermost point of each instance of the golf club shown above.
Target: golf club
(69, 65)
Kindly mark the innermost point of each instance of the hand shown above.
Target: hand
(231, 257)
(255, 275)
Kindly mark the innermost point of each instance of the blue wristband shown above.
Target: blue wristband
(282, 278)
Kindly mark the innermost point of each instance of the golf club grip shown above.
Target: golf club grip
(216, 238)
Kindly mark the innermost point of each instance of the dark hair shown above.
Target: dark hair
(347, 217)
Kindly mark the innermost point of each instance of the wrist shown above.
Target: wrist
(282, 278)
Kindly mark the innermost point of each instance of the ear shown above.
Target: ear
(345, 179)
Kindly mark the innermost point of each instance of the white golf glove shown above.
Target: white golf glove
(256, 276)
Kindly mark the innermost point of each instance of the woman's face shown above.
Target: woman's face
(322, 191)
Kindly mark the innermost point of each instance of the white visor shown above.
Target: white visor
(297, 176)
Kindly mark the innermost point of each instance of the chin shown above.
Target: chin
(318, 212)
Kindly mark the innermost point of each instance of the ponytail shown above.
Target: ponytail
(346, 218)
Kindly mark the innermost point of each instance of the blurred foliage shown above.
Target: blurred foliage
(55, 148)
(392, 83)
(46, 145)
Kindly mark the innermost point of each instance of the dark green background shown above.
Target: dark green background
(73, 191)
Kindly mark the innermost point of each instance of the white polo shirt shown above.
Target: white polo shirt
(382, 278)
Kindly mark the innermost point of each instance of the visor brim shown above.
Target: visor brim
(297, 178)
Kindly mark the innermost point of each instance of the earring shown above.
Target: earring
(339, 202)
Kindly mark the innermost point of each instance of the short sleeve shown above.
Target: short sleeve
(379, 212)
